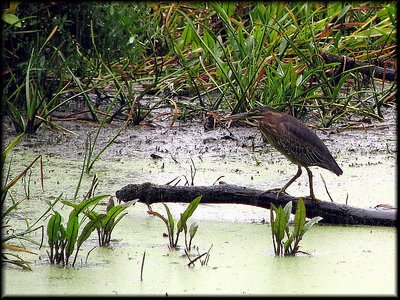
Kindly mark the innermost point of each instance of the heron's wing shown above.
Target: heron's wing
(305, 146)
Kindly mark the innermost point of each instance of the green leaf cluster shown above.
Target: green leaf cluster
(63, 241)
(181, 225)
(285, 239)
(106, 222)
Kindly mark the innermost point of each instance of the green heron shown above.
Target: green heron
(294, 140)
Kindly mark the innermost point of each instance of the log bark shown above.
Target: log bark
(362, 67)
(332, 213)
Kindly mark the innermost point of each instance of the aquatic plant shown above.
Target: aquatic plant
(181, 225)
(105, 223)
(280, 227)
(64, 240)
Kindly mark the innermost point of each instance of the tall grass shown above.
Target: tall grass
(271, 55)
(231, 56)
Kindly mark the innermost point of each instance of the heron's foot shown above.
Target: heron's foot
(278, 190)
(317, 201)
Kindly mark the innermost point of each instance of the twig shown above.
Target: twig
(187, 181)
(192, 171)
(87, 256)
(303, 252)
(272, 229)
(194, 260)
(174, 159)
(207, 257)
(218, 179)
(141, 269)
(168, 183)
(326, 188)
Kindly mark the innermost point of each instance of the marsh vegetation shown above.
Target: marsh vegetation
(108, 73)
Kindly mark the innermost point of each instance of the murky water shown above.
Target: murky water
(344, 259)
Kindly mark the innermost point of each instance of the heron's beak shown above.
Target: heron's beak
(251, 114)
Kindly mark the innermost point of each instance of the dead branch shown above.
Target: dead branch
(362, 67)
(332, 213)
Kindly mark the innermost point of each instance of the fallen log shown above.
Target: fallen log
(362, 67)
(332, 213)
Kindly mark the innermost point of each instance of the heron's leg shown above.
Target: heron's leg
(292, 180)
(311, 183)
(282, 190)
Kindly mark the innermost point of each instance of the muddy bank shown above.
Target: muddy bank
(190, 139)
